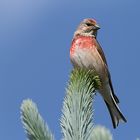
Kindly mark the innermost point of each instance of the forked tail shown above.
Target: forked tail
(115, 114)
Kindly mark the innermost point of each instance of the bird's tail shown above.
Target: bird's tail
(115, 113)
(112, 101)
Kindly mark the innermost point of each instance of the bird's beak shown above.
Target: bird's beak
(96, 27)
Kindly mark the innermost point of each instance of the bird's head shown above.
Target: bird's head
(88, 27)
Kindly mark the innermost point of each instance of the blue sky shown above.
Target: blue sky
(35, 38)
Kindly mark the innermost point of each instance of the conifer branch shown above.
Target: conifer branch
(100, 133)
(76, 121)
(33, 123)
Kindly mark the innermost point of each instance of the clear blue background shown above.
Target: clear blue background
(35, 37)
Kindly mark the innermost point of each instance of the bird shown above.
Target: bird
(86, 53)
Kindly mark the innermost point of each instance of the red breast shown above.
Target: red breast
(82, 42)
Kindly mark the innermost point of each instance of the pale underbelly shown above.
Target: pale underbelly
(89, 60)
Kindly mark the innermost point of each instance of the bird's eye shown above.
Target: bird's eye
(88, 24)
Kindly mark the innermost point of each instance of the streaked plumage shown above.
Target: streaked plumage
(86, 52)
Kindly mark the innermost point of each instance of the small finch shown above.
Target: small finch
(86, 52)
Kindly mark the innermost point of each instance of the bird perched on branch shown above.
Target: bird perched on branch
(86, 52)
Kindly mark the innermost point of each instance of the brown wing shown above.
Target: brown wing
(111, 86)
(98, 47)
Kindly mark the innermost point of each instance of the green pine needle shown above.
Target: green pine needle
(34, 125)
(76, 121)
(101, 133)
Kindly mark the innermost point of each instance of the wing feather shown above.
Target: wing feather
(99, 49)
